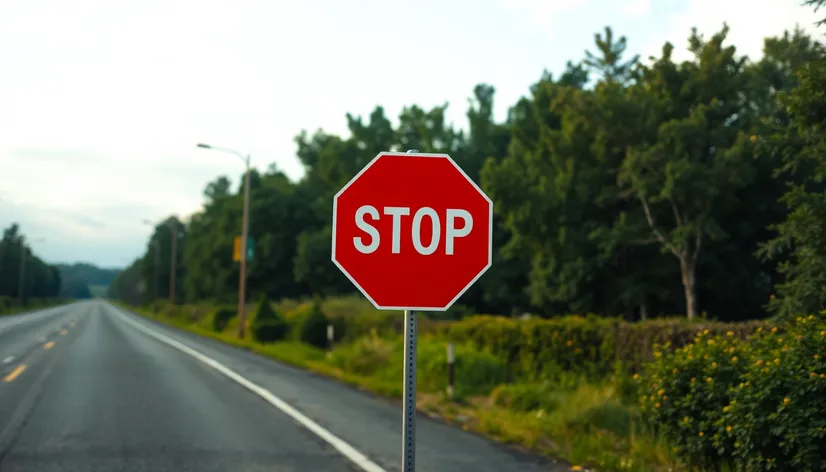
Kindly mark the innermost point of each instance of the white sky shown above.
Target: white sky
(102, 102)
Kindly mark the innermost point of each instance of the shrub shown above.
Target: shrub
(221, 317)
(539, 349)
(475, 372)
(267, 325)
(685, 392)
(777, 416)
(311, 326)
(527, 397)
(365, 356)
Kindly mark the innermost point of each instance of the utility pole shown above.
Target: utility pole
(242, 278)
(242, 284)
(173, 260)
(156, 249)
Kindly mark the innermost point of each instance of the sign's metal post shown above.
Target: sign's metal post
(409, 402)
(409, 406)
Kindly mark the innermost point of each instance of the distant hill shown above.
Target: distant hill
(82, 280)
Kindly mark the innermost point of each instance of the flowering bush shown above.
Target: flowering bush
(685, 392)
(758, 404)
(777, 416)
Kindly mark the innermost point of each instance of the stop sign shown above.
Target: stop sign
(412, 231)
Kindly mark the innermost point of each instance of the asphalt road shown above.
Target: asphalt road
(90, 387)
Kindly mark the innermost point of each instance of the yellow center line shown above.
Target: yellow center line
(16, 372)
(64, 332)
(48, 345)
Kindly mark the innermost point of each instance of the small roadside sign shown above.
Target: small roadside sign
(236, 249)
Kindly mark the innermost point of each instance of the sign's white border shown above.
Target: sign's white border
(414, 308)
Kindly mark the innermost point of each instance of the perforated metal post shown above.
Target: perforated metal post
(409, 407)
(409, 401)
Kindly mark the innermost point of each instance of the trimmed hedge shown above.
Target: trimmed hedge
(536, 348)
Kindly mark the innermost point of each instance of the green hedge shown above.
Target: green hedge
(538, 348)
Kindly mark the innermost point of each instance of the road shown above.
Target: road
(90, 387)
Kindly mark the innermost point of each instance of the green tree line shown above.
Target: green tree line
(23, 275)
(621, 187)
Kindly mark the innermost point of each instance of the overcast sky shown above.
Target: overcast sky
(102, 102)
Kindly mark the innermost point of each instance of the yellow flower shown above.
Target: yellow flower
(570, 343)
(734, 359)
(759, 329)
(665, 397)
(816, 356)
(812, 374)
(759, 362)
(677, 370)
(657, 405)
(700, 434)
(576, 467)
(685, 420)
(811, 317)
(752, 138)
(730, 333)
(774, 329)
(708, 380)
(710, 342)
(823, 333)
(786, 401)
(725, 408)
(577, 350)
(823, 376)
(660, 392)
(705, 331)
(636, 376)
(713, 364)
(693, 379)
(728, 429)
(777, 361)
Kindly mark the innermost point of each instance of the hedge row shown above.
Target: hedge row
(533, 349)
(540, 348)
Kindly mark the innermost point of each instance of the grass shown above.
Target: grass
(582, 422)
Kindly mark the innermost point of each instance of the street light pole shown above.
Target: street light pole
(242, 278)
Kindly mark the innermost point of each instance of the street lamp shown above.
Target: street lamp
(242, 282)
(173, 259)
(21, 284)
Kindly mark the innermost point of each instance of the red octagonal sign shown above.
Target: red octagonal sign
(412, 231)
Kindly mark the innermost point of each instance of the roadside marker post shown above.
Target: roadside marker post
(412, 250)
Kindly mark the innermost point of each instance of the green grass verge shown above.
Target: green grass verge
(582, 422)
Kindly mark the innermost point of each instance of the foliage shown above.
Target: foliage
(776, 416)
(267, 325)
(221, 317)
(311, 326)
(19, 264)
(685, 394)
(549, 349)
(77, 279)
(757, 402)
(655, 182)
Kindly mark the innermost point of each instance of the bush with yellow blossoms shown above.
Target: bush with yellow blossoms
(777, 416)
(684, 393)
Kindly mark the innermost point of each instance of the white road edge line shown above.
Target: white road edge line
(339, 444)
